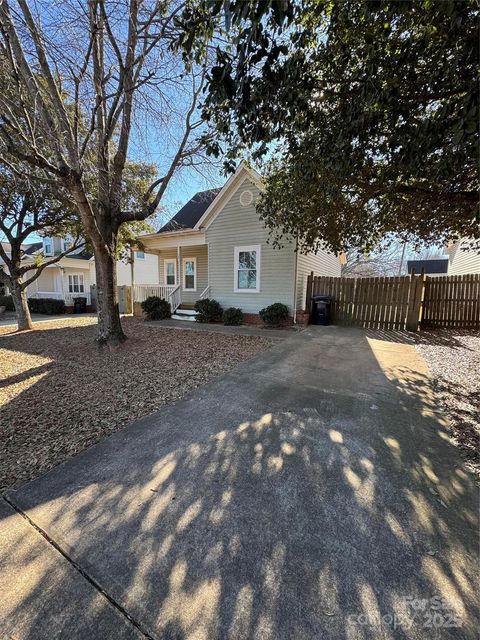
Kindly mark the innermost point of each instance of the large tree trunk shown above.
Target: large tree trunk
(19, 295)
(109, 326)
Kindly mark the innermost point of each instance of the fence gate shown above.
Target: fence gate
(404, 302)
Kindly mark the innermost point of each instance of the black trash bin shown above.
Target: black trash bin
(321, 309)
(79, 305)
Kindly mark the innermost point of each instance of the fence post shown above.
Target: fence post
(308, 297)
(93, 296)
(414, 314)
(128, 300)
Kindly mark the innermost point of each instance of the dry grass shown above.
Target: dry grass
(59, 393)
(454, 360)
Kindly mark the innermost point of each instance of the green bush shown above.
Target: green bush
(275, 315)
(232, 316)
(208, 310)
(7, 302)
(48, 306)
(156, 308)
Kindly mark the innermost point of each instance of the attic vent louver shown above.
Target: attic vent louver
(246, 198)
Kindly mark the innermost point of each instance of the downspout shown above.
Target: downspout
(295, 283)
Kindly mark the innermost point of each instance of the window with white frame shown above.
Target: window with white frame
(247, 269)
(170, 272)
(48, 246)
(76, 283)
(66, 244)
(140, 255)
(190, 274)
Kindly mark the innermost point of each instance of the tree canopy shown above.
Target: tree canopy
(365, 112)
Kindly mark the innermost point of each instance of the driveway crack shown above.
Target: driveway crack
(95, 584)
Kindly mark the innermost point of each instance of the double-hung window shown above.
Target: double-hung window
(48, 246)
(170, 272)
(247, 269)
(190, 274)
(76, 283)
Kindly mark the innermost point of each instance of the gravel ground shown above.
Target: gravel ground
(454, 360)
(59, 393)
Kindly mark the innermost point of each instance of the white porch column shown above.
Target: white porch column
(179, 265)
(132, 267)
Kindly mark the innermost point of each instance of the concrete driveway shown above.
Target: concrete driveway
(310, 493)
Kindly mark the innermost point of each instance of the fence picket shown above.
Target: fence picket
(395, 302)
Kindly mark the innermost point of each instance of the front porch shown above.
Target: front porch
(182, 267)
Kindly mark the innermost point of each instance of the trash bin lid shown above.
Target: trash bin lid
(322, 298)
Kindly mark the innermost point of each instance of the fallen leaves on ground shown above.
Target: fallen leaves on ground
(454, 360)
(61, 393)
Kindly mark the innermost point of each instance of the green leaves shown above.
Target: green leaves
(374, 106)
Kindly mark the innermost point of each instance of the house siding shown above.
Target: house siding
(462, 262)
(236, 225)
(323, 263)
(200, 252)
(146, 271)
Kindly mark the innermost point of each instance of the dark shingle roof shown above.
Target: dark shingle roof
(83, 255)
(190, 214)
(429, 266)
(33, 247)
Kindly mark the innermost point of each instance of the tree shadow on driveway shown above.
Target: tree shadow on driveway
(284, 500)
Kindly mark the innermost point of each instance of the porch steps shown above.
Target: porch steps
(184, 314)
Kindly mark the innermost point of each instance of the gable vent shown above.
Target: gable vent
(246, 198)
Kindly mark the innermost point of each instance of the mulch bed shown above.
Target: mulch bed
(60, 393)
(453, 357)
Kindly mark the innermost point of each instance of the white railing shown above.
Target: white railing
(175, 299)
(143, 291)
(205, 293)
(68, 298)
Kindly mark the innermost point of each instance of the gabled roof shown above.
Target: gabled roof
(190, 214)
(439, 265)
(204, 206)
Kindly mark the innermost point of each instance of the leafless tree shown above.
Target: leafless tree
(385, 261)
(92, 78)
(28, 208)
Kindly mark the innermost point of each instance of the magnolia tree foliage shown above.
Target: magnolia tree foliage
(365, 113)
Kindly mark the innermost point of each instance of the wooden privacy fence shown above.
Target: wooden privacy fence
(404, 302)
(452, 301)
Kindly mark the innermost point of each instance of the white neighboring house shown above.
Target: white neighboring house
(73, 275)
(463, 257)
(217, 247)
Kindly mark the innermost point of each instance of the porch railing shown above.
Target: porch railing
(175, 299)
(205, 293)
(67, 297)
(143, 291)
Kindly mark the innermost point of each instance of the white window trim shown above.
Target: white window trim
(137, 256)
(64, 241)
(236, 252)
(168, 261)
(194, 260)
(48, 253)
(80, 274)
